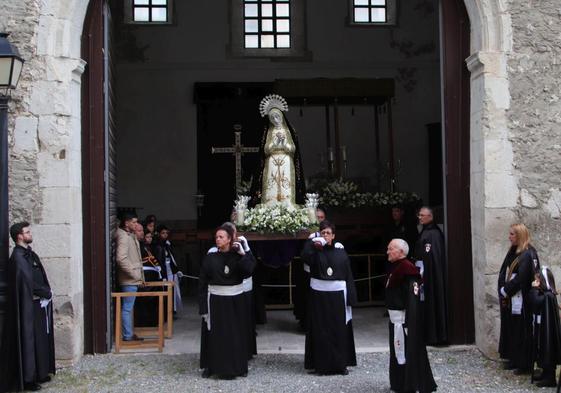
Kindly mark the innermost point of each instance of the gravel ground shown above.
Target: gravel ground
(455, 370)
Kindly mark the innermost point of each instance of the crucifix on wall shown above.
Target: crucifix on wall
(237, 150)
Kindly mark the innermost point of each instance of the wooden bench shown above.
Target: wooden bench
(150, 331)
(153, 343)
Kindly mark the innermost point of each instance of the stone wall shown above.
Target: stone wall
(45, 151)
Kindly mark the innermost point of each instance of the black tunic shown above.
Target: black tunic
(402, 293)
(504, 305)
(146, 308)
(519, 326)
(27, 349)
(429, 248)
(330, 346)
(547, 334)
(224, 348)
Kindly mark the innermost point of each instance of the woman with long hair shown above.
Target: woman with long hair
(223, 307)
(514, 284)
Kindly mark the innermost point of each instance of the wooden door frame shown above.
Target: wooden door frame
(455, 44)
(455, 49)
(93, 183)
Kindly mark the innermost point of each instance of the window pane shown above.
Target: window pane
(378, 15)
(361, 2)
(283, 25)
(283, 41)
(283, 10)
(141, 14)
(159, 2)
(361, 15)
(251, 10)
(267, 41)
(159, 14)
(267, 25)
(140, 2)
(266, 10)
(266, 1)
(251, 41)
(251, 26)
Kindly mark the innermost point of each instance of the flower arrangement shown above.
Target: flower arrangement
(345, 193)
(275, 219)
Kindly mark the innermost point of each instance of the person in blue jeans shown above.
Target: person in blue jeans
(130, 273)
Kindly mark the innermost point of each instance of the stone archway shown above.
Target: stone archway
(45, 145)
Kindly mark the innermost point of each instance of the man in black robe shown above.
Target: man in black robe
(430, 257)
(410, 369)
(330, 346)
(27, 352)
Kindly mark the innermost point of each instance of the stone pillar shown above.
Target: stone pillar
(494, 191)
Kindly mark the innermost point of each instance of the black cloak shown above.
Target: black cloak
(430, 249)
(256, 185)
(403, 293)
(330, 345)
(224, 348)
(27, 351)
(547, 344)
(519, 326)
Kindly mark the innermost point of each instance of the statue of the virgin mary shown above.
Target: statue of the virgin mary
(281, 178)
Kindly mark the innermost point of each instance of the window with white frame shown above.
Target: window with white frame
(148, 11)
(266, 24)
(268, 28)
(372, 12)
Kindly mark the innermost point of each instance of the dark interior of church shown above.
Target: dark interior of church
(364, 99)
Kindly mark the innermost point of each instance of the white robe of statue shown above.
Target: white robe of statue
(278, 185)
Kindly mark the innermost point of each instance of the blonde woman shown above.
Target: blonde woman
(515, 282)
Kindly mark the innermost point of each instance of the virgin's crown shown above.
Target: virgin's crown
(272, 101)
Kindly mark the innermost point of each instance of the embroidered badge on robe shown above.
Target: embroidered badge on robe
(226, 269)
(329, 271)
(427, 247)
(416, 289)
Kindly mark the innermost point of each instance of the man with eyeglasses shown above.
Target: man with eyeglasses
(27, 350)
(430, 257)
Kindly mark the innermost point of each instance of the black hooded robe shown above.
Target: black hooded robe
(330, 345)
(403, 293)
(429, 248)
(224, 348)
(548, 331)
(27, 351)
(504, 351)
(519, 328)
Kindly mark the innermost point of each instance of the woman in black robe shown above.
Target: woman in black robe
(515, 282)
(146, 308)
(547, 333)
(330, 346)
(223, 306)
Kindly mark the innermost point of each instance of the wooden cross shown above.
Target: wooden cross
(237, 150)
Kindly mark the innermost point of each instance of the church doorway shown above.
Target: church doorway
(158, 97)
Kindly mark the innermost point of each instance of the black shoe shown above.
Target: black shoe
(46, 379)
(547, 383)
(206, 373)
(344, 372)
(508, 366)
(521, 371)
(33, 387)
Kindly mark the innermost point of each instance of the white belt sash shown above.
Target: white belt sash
(221, 290)
(398, 319)
(45, 305)
(247, 284)
(333, 286)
